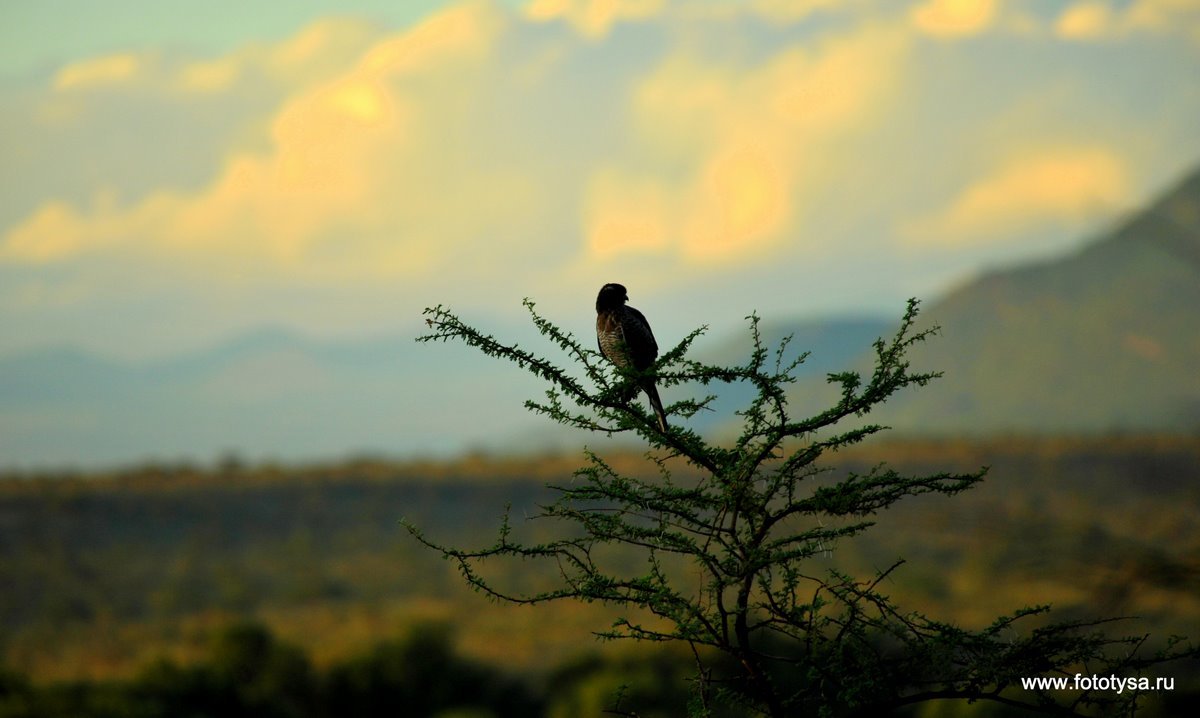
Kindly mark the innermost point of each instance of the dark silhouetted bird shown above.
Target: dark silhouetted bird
(625, 339)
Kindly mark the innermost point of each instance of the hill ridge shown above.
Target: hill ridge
(1106, 338)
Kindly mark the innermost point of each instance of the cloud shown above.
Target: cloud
(481, 155)
(592, 18)
(384, 170)
(98, 72)
(626, 215)
(789, 11)
(1095, 20)
(1164, 15)
(339, 151)
(209, 75)
(1085, 21)
(755, 140)
(1060, 187)
(954, 18)
(323, 48)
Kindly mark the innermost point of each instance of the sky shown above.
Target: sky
(175, 174)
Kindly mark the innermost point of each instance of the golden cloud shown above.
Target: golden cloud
(210, 76)
(1057, 187)
(385, 157)
(50, 234)
(347, 159)
(98, 72)
(592, 18)
(954, 18)
(457, 148)
(740, 204)
(1164, 14)
(321, 50)
(1085, 21)
(625, 215)
(1099, 20)
(56, 231)
(757, 140)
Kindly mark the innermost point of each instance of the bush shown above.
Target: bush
(750, 518)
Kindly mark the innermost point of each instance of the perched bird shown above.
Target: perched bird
(625, 339)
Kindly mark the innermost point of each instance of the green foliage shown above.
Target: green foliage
(654, 683)
(1094, 525)
(729, 542)
(420, 675)
(250, 673)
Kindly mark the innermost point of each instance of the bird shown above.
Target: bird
(625, 339)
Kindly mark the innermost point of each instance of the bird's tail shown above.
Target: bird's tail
(652, 392)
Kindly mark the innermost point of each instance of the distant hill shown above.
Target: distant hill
(275, 394)
(1106, 339)
(832, 343)
(270, 394)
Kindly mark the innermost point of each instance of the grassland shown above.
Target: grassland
(104, 573)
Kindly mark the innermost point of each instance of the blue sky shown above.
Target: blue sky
(176, 173)
(41, 35)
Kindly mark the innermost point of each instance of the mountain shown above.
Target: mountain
(833, 341)
(833, 344)
(270, 394)
(1106, 339)
(274, 394)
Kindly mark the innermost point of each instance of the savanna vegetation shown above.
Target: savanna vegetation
(730, 531)
(106, 575)
(112, 579)
(298, 591)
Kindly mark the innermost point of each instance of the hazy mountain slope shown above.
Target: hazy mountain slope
(1105, 339)
(273, 393)
(266, 394)
(832, 343)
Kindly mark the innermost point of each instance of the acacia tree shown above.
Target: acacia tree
(729, 543)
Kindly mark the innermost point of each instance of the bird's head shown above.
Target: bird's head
(611, 296)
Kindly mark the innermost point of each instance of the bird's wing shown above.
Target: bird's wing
(639, 338)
